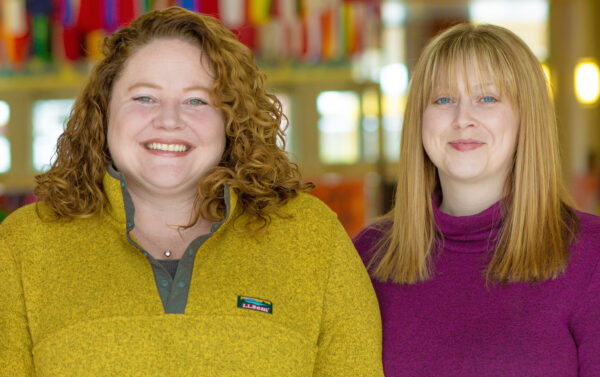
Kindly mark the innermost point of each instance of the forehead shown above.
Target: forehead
(165, 59)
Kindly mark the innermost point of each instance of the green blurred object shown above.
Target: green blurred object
(41, 37)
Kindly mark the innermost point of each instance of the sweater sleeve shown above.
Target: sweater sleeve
(349, 342)
(15, 341)
(585, 327)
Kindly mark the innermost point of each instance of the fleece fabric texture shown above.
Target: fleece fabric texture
(456, 325)
(78, 299)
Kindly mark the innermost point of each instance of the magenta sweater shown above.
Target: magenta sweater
(453, 325)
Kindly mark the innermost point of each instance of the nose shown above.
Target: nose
(464, 116)
(169, 116)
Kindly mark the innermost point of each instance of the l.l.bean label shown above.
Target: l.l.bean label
(253, 303)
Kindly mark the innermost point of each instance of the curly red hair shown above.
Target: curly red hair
(254, 163)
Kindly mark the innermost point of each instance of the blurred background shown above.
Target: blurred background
(340, 67)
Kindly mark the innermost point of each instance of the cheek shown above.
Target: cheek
(115, 139)
(429, 136)
(112, 132)
(512, 142)
(508, 129)
(515, 135)
(114, 147)
(211, 127)
(110, 137)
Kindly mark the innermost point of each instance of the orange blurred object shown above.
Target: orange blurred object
(346, 199)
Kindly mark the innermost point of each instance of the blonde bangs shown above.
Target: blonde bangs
(471, 55)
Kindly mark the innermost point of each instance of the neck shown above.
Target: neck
(466, 199)
(159, 223)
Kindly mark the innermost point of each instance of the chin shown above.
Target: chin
(168, 181)
(467, 175)
(177, 188)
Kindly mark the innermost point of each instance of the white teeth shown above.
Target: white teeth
(167, 147)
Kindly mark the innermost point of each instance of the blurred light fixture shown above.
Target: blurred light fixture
(548, 75)
(366, 66)
(393, 13)
(526, 18)
(394, 78)
(587, 81)
(546, 70)
(498, 11)
(4, 113)
(4, 142)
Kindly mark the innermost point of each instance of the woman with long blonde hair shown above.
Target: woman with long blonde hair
(174, 236)
(483, 268)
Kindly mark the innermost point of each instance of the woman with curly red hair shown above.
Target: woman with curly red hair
(173, 235)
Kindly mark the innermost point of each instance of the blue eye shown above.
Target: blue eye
(443, 100)
(197, 101)
(489, 99)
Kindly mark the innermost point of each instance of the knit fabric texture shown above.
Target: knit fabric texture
(78, 299)
(456, 324)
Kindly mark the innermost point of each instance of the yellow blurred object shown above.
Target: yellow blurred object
(587, 81)
(547, 72)
(259, 11)
(93, 44)
(370, 102)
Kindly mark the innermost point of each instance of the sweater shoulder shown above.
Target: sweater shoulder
(371, 238)
(587, 241)
(309, 207)
(309, 212)
(24, 218)
(19, 228)
(306, 218)
(39, 217)
(310, 228)
(589, 228)
(34, 226)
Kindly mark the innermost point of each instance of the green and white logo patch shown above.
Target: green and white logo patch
(253, 303)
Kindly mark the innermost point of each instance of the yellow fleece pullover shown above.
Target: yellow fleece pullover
(81, 298)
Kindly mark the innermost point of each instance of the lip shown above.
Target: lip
(464, 145)
(157, 152)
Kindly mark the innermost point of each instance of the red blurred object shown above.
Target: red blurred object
(90, 15)
(346, 199)
(72, 43)
(126, 12)
(210, 7)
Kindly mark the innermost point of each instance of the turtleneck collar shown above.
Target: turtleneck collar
(468, 234)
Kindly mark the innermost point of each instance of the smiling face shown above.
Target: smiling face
(470, 133)
(163, 132)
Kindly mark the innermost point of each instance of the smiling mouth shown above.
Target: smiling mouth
(167, 147)
(466, 145)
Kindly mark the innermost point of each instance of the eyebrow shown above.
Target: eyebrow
(144, 85)
(158, 87)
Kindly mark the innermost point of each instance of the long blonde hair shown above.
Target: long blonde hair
(254, 163)
(539, 223)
